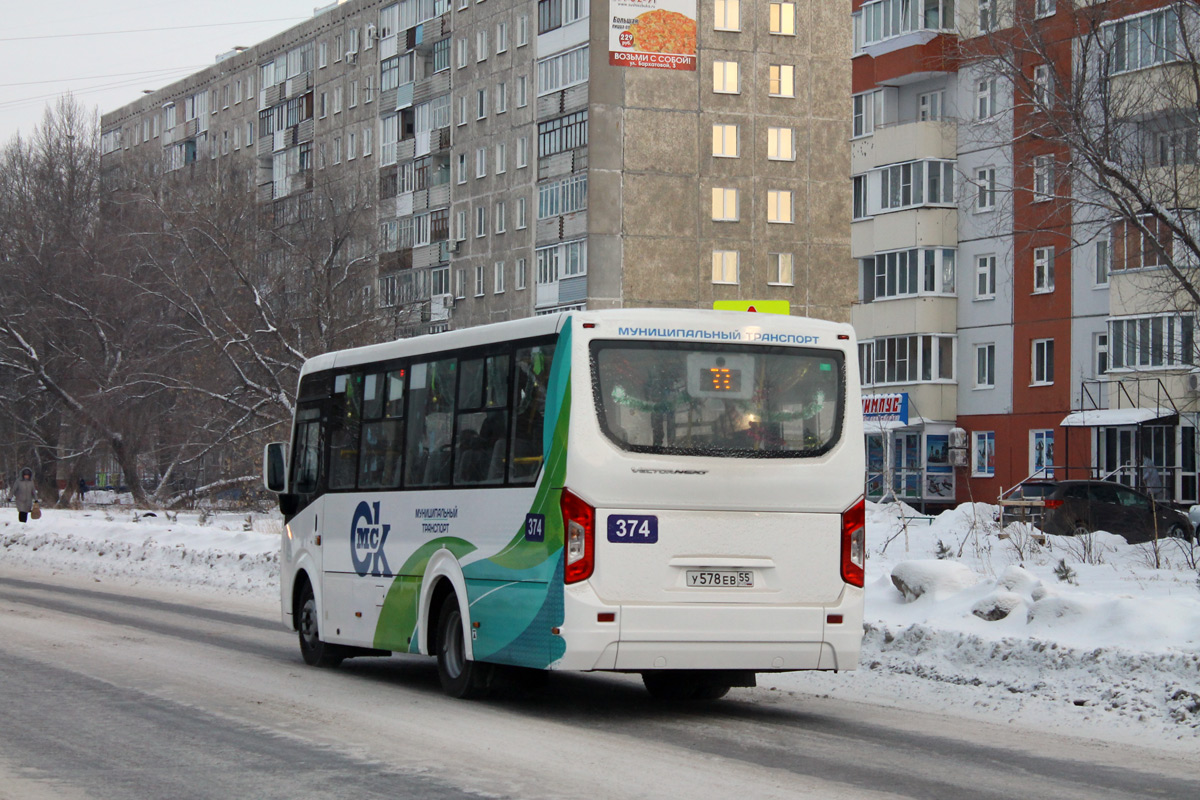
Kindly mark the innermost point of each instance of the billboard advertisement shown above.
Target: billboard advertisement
(657, 34)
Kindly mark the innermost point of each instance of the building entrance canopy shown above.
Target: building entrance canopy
(1114, 417)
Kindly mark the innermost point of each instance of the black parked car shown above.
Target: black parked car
(1071, 508)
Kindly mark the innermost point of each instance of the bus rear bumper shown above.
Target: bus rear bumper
(696, 636)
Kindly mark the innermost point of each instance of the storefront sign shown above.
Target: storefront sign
(658, 34)
(886, 407)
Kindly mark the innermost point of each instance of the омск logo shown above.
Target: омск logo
(367, 538)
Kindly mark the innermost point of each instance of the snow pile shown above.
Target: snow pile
(1083, 634)
(225, 552)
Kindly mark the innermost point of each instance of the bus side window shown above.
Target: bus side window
(531, 373)
(306, 457)
(430, 416)
(382, 428)
(480, 443)
(345, 426)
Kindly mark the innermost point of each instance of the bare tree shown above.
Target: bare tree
(1114, 102)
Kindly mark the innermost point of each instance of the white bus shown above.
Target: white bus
(665, 492)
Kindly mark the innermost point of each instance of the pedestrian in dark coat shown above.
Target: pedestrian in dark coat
(24, 492)
(82, 489)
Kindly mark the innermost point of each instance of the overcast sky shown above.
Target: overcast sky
(106, 52)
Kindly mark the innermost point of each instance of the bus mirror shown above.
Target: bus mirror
(275, 467)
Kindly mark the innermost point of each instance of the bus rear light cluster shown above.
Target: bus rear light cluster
(854, 543)
(579, 523)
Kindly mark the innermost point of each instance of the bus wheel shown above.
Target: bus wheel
(316, 652)
(460, 677)
(673, 686)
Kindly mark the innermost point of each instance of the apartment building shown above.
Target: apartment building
(1007, 285)
(528, 156)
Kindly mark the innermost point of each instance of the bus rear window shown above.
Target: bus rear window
(719, 400)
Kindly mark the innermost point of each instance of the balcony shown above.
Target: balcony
(891, 144)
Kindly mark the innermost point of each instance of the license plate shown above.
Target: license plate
(723, 578)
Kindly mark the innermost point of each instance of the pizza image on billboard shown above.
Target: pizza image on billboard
(657, 34)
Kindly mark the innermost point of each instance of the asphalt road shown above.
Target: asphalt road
(130, 692)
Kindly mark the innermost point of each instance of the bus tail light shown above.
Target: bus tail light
(1054, 503)
(579, 525)
(854, 543)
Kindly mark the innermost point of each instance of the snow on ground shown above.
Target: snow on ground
(1085, 636)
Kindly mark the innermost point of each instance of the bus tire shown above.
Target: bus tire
(460, 677)
(316, 653)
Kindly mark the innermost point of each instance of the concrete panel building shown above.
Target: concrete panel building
(528, 156)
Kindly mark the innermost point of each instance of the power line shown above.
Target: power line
(113, 75)
(147, 30)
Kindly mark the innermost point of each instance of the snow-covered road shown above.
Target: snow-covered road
(1110, 651)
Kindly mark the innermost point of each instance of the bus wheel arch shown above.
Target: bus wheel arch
(443, 577)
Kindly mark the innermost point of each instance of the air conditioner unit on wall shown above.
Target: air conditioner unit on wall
(1193, 382)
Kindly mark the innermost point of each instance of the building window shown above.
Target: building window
(779, 206)
(1043, 178)
(884, 19)
(1041, 453)
(460, 283)
(1100, 346)
(725, 77)
(501, 217)
(520, 273)
(985, 97)
(987, 15)
(1042, 96)
(522, 30)
(725, 141)
(911, 359)
(780, 144)
(780, 269)
(1044, 8)
(726, 16)
(498, 278)
(985, 277)
(783, 19)
(522, 91)
(461, 168)
(983, 453)
(521, 214)
(462, 110)
(1043, 362)
(1161, 340)
(1143, 40)
(460, 48)
(460, 225)
(985, 366)
(908, 273)
(725, 266)
(859, 210)
(481, 103)
(1103, 255)
(501, 37)
(557, 72)
(1043, 270)
(481, 162)
(931, 106)
(866, 112)
(985, 188)
(501, 157)
(522, 152)
(441, 55)
(480, 222)
(479, 280)
(562, 134)
(563, 196)
(724, 205)
(916, 183)
(481, 45)
(502, 97)
(337, 99)
(781, 80)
